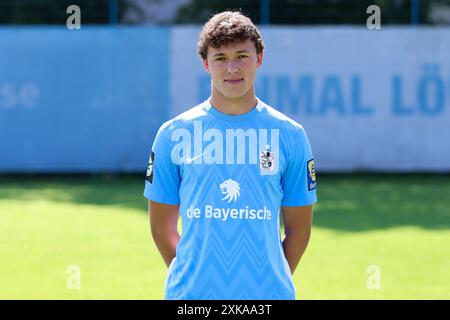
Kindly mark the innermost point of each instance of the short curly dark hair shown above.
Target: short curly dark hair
(226, 28)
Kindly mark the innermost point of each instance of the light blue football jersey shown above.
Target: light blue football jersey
(230, 174)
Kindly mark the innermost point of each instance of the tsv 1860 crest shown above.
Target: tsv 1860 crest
(266, 159)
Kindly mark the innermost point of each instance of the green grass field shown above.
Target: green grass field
(399, 223)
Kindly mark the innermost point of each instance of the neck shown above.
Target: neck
(234, 106)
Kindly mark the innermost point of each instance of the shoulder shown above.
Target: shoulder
(286, 124)
(184, 120)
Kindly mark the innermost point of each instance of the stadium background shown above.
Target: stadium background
(79, 110)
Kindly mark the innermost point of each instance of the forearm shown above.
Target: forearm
(294, 246)
(166, 242)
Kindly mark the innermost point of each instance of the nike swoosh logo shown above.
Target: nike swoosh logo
(190, 160)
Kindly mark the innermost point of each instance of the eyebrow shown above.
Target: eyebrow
(240, 51)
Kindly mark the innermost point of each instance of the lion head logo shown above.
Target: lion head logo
(230, 189)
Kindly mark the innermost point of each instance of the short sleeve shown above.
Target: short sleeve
(299, 177)
(163, 176)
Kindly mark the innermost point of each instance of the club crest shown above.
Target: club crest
(266, 159)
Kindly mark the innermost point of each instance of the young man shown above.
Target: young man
(227, 166)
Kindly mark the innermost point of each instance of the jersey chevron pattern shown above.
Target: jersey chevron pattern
(230, 174)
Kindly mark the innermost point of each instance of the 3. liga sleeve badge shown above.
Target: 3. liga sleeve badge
(312, 181)
(149, 175)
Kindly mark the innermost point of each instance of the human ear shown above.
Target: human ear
(259, 59)
(205, 64)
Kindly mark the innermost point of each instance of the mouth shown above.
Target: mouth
(234, 81)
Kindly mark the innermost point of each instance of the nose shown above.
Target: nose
(232, 66)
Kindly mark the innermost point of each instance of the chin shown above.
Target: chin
(233, 95)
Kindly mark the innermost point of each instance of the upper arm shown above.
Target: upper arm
(299, 178)
(162, 216)
(297, 218)
(163, 175)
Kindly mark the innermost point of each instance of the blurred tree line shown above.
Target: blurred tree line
(51, 11)
(303, 11)
(292, 12)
